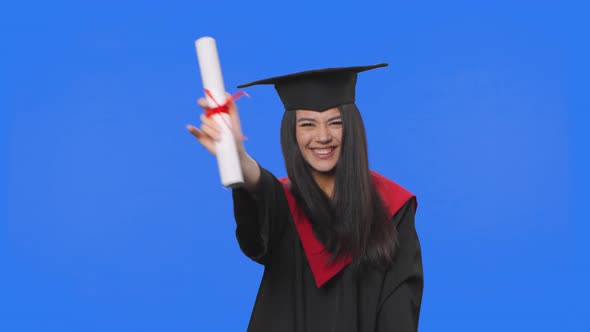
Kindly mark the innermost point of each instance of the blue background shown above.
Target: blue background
(112, 217)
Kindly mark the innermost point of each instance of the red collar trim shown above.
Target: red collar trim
(394, 197)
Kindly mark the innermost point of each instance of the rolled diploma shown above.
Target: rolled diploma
(228, 161)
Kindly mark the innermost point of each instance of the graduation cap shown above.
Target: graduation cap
(316, 90)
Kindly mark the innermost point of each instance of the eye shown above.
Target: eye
(306, 124)
(336, 123)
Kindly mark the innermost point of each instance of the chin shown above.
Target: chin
(326, 167)
(327, 170)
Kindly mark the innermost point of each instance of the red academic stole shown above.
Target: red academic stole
(394, 197)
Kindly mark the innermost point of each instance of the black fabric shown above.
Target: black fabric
(288, 299)
(316, 90)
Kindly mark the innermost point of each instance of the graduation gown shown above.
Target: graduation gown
(300, 292)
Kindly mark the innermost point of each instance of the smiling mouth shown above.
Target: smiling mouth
(323, 152)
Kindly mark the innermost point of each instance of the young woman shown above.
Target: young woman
(337, 240)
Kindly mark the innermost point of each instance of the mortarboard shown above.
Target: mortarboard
(318, 89)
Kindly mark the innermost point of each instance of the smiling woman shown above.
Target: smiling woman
(318, 137)
(337, 240)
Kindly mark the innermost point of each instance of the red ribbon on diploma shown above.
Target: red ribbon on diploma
(225, 107)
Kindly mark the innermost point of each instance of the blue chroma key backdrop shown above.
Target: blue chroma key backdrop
(113, 218)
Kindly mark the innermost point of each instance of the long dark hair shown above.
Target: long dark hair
(354, 221)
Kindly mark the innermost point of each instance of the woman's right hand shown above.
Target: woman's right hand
(210, 131)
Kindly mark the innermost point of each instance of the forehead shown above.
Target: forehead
(324, 115)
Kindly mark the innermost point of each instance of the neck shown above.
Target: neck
(325, 181)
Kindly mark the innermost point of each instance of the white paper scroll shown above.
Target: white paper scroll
(228, 161)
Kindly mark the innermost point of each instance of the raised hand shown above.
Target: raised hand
(210, 131)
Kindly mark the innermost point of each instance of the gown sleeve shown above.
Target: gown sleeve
(401, 295)
(260, 217)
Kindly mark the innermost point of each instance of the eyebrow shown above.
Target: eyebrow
(337, 117)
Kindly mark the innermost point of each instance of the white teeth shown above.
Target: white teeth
(322, 151)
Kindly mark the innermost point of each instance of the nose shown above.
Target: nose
(324, 134)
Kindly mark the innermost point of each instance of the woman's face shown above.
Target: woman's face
(319, 137)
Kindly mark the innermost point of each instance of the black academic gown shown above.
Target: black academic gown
(291, 297)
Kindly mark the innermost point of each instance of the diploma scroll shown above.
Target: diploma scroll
(228, 161)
